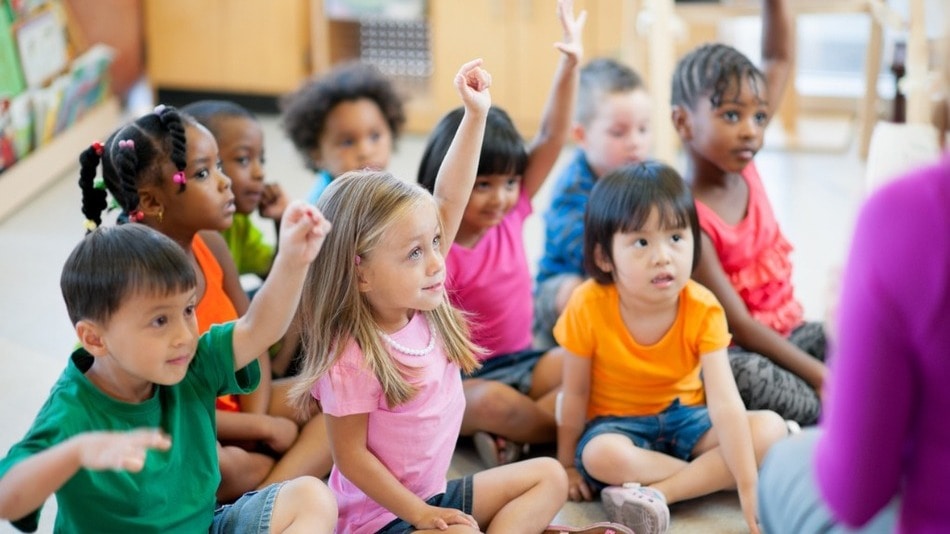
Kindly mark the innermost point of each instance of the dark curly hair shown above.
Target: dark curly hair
(709, 71)
(304, 112)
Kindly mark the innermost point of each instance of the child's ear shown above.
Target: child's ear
(681, 123)
(601, 259)
(150, 201)
(316, 157)
(578, 133)
(361, 281)
(90, 335)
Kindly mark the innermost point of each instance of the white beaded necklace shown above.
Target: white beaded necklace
(406, 350)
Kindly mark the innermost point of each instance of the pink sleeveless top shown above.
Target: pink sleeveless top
(755, 256)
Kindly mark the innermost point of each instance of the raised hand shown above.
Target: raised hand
(121, 451)
(472, 83)
(302, 231)
(572, 45)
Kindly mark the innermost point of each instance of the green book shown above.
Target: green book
(11, 74)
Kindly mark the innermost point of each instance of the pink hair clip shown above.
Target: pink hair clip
(127, 143)
(179, 177)
(97, 147)
(136, 216)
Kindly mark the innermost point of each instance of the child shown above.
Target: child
(126, 439)
(241, 146)
(162, 171)
(611, 128)
(384, 350)
(512, 395)
(347, 120)
(638, 335)
(721, 106)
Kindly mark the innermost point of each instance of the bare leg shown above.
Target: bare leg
(304, 505)
(519, 497)
(309, 455)
(502, 410)
(241, 471)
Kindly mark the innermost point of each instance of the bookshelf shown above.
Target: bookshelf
(43, 166)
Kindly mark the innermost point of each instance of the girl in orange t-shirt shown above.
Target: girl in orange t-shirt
(636, 419)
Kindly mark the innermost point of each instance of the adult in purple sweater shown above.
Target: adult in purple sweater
(879, 459)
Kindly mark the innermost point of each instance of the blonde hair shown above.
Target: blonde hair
(362, 205)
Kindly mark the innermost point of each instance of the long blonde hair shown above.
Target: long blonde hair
(362, 205)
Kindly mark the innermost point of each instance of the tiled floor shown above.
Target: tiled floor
(815, 195)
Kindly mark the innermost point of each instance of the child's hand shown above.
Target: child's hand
(749, 504)
(121, 451)
(302, 231)
(472, 82)
(281, 432)
(273, 202)
(572, 45)
(577, 489)
(434, 517)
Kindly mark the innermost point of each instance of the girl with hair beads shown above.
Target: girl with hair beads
(347, 120)
(384, 349)
(510, 400)
(648, 395)
(721, 106)
(163, 171)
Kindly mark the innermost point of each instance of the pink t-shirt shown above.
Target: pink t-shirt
(415, 440)
(755, 256)
(492, 282)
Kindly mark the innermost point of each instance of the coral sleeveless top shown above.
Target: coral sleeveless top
(215, 306)
(755, 256)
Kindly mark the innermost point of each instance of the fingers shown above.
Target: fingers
(149, 438)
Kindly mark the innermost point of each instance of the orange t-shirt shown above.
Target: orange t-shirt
(630, 379)
(755, 256)
(215, 306)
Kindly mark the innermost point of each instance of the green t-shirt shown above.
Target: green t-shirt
(175, 492)
(251, 253)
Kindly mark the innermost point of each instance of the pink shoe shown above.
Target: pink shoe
(642, 509)
(596, 528)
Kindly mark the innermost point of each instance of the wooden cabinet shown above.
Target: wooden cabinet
(242, 46)
(516, 40)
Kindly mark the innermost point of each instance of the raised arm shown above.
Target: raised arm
(456, 178)
(303, 229)
(749, 333)
(559, 108)
(778, 49)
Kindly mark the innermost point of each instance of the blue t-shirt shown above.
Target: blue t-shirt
(320, 183)
(564, 221)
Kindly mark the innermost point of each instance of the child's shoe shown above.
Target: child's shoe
(596, 528)
(640, 508)
(495, 451)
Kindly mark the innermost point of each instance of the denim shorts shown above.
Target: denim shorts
(250, 514)
(458, 494)
(515, 369)
(674, 431)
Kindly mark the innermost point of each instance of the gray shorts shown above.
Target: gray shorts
(458, 494)
(250, 514)
(545, 310)
(515, 370)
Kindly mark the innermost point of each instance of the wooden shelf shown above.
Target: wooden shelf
(43, 166)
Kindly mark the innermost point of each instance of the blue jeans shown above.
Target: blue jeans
(675, 431)
(458, 494)
(250, 514)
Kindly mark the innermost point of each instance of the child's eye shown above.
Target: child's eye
(202, 174)
(731, 116)
(262, 159)
(243, 161)
(189, 310)
(512, 182)
(375, 136)
(415, 254)
(437, 241)
(346, 142)
(160, 321)
(219, 165)
(677, 238)
(640, 243)
(761, 118)
(482, 186)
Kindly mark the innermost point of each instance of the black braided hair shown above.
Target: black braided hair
(711, 70)
(156, 137)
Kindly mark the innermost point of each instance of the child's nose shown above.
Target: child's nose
(224, 181)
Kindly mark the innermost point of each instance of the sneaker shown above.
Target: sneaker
(640, 508)
(495, 451)
(596, 528)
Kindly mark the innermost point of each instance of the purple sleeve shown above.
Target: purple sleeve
(894, 258)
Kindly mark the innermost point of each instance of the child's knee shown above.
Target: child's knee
(548, 470)
(767, 429)
(308, 496)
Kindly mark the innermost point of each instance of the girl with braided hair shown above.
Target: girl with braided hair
(163, 171)
(721, 105)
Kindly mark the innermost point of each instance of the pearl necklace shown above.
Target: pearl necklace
(406, 350)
